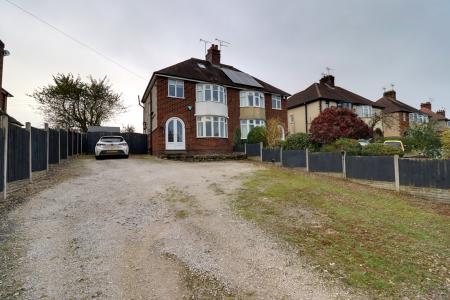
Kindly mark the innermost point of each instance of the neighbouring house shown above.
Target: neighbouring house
(4, 94)
(399, 115)
(438, 116)
(196, 105)
(305, 106)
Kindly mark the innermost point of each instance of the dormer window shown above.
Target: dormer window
(176, 88)
(252, 99)
(211, 92)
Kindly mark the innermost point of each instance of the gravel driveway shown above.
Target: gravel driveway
(145, 228)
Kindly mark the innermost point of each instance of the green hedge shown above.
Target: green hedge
(351, 146)
(378, 149)
(257, 135)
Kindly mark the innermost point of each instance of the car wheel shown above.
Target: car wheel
(126, 156)
(97, 157)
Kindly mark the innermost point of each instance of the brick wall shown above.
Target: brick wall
(173, 107)
(281, 115)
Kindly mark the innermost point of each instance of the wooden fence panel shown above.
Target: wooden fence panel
(239, 148)
(325, 162)
(431, 173)
(38, 149)
(294, 158)
(379, 168)
(18, 153)
(63, 145)
(53, 146)
(253, 149)
(271, 155)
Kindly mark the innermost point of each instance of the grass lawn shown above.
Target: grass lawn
(381, 242)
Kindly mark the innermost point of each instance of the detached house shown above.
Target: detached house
(305, 106)
(399, 116)
(196, 105)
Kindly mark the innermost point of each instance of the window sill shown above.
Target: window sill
(211, 137)
(276, 108)
(173, 97)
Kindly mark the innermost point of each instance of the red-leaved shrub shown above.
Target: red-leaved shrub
(334, 123)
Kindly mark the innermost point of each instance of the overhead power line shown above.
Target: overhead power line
(74, 39)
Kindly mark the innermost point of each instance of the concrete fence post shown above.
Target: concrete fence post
(67, 144)
(245, 148)
(59, 145)
(47, 141)
(344, 164)
(307, 159)
(260, 150)
(4, 125)
(30, 154)
(397, 173)
(281, 155)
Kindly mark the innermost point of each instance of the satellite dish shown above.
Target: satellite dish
(6, 53)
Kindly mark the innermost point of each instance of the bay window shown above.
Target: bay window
(176, 88)
(252, 99)
(212, 126)
(247, 125)
(211, 92)
(276, 102)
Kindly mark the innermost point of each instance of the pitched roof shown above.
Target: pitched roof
(433, 115)
(202, 70)
(5, 92)
(393, 105)
(321, 90)
(11, 119)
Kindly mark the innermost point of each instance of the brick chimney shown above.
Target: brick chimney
(328, 79)
(441, 112)
(426, 105)
(390, 94)
(2, 51)
(213, 55)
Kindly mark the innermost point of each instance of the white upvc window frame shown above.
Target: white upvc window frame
(176, 83)
(291, 119)
(276, 99)
(249, 124)
(364, 111)
(207, 91)
(209, 124)
(418, 118)
(252, 99)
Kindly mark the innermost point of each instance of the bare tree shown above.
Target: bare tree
(70, 102)
(129, 129)
(386, 119)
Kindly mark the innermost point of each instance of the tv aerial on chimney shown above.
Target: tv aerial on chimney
(222, 43)
(392, 86)
(328, 72)
(6, 53)
(206, 44)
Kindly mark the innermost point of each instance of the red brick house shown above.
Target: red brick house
(195, 106)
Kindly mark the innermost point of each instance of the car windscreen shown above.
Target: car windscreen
(111, 139)
(393, 144)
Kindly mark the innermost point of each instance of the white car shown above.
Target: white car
(111, 146)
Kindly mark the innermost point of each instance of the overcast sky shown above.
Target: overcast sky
(368, 44)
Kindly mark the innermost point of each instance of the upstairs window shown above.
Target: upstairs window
(176, 88)
(276, 102)
(364, 111)
(211, 92)
(252, 99)
(346, 105)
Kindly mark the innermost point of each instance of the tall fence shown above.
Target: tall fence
(421, 173)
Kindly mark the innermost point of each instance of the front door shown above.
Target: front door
(175, 137)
